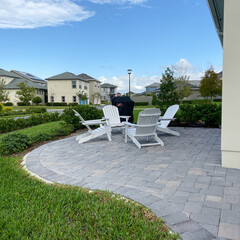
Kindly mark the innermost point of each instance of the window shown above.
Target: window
(74, 85)
(80, 85)
(63, 98)
(52, 98)
(95, 84)
(85, 86)
(74, 99)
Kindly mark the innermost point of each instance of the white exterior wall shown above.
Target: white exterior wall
(231, 86)
(59, 88)
(6, 79)
(95, 92)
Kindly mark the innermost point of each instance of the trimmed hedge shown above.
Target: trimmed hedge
(8, 104)
(86, 111)
(17, 142)
(9, 124)
(22, 112)
(140, 103)
(198, 101)
(72, 104)
(207, 114)
(56, 104)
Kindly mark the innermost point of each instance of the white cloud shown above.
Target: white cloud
(40, 13)
(183, 67)
(137, 83)
(118, 1)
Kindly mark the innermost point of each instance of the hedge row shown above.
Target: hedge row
(10, 124)
(22, 112)
(56, 104)
(140, 103)
(201, 101)
(17, 142)
(206, 114)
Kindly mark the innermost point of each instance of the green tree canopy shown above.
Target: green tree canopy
(167, 95)
(25, 93)
(210, 85)
(183, 87)
(3, 93)
(37, 100)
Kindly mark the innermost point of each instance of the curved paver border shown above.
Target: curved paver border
(175, 219)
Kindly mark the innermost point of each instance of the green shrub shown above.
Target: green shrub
(140, 103)
(72, 104)
(217, 100)
(66, 129)
(86, 111)
(154, 100)
(36, 110)
(13, 143)
(37, 100)
(7, 109)
(209, 114)
(197, 101)
(1, 107)
(41, 137)
(56, 104)
(22, 104)
(8, 104)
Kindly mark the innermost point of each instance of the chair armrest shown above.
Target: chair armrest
(94, 122)
(126, 117)
(166, 119)
(129, 124)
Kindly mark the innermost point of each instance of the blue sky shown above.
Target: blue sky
(104, 38)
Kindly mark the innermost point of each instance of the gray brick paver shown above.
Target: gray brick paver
(184, 179)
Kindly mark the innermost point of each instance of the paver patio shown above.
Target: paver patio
(182, 182)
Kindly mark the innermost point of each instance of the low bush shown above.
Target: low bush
(37, 100)
(21, 112)
(207, 114)
(21, 104)
(1, 107)
(8, 104)
(36, 110)
(65, 130)
(140, 103)
(72, 104)
(56, 104)
(7, 109)
(86, 111)
(197, 101)
(10, 124)
(217, 100)
(14, 143)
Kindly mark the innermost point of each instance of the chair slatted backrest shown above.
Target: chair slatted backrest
(147, 121)
(170, 113)
(111, 113)
(81, 118)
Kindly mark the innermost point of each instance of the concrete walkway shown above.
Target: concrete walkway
(183, 182)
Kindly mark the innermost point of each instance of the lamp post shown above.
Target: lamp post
(129, 73)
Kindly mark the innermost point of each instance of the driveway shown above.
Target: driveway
(182, 182)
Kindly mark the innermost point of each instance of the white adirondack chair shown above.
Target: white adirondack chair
(145, 127)
(112, 116)
(90, 134)
(166, 119)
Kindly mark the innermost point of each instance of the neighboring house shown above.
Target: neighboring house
(67, 87)
(194, 84)
(94, 88)
(152, 88)
(108, 91)
(11, 80)
(226, 13)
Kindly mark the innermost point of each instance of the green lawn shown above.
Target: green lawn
(45, 128)
(31, 209)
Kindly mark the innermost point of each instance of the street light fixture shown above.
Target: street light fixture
(129, 73)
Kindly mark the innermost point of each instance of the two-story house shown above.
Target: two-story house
(152, 88)
(12, 79)
(94, 88)
(108, 91)
(69, 88)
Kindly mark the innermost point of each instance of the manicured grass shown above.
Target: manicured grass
(40, 106)
(45, 128)
(135, 114)
(31, 209)
(143, 107)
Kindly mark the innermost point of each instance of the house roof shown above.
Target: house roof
(108, 85)
(13, 84)
(194, 83)
(217, 9)
(8, 74)
(220, 74)
(155, 84)
(65, 76)
(28, 76)
(86, 77)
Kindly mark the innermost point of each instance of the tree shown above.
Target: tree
(167, 95)
(210, 85)
(3, 93)
(183, 87)
(37, 100)
(25, 93)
